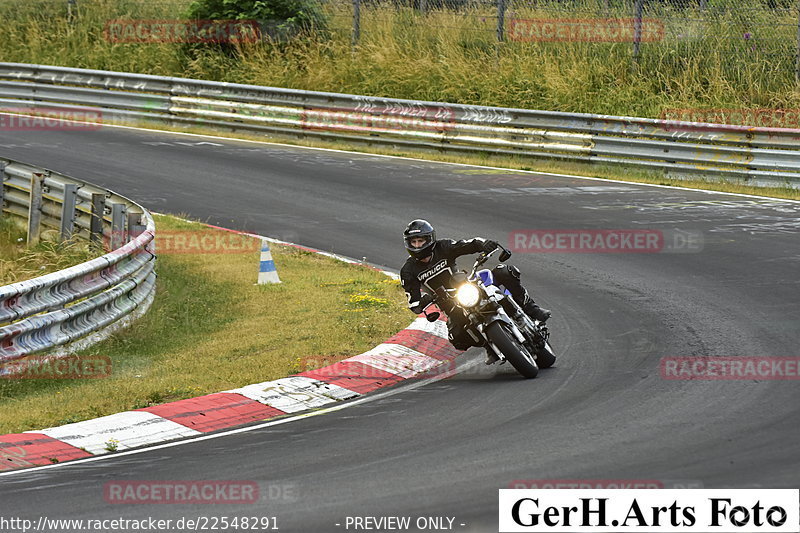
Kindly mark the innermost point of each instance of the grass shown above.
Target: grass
(729, 57)
(19, 263)
(212, 329)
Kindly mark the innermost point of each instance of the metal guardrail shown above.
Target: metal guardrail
(95, 296)
(760, 156)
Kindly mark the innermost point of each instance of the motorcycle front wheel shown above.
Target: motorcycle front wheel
(546, 357)
(516, 354)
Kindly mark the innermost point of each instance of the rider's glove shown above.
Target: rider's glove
(423, 302)
(490, 246)
(426, 300)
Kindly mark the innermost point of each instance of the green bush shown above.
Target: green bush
(279, 19)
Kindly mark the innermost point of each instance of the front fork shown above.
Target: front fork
(480, 321)
(537, 330)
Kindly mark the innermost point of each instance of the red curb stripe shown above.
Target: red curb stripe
(214, 411)
(427, 343)
(355, 376)
(23, 450)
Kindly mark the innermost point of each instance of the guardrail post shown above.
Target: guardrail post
(2, 186)
(134, 225)
(356, 22)
(797, 59)
(71, 7)
(501, 20)
(68, 211)
(117, 225)
(96, 224)
(35, 209)
(637, 30)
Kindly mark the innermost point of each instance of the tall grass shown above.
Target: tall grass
(738, 58)
(19, 262)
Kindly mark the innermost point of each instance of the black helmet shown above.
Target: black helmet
(416, 229)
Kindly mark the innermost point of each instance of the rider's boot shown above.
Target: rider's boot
(491, 356)
(509, 277)
(534, 311)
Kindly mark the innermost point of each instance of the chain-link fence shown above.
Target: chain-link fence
(767, 30)
(553, 54)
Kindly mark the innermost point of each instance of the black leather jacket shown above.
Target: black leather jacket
(417, 276)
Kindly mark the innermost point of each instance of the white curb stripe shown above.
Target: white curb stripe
(397, 359)
(130, 429)
(438, 328)
(296, 393)
(335, 392)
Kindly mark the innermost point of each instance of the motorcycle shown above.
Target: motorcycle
(496, 319)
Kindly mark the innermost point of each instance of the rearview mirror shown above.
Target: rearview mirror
(505, 256)
(432, 317)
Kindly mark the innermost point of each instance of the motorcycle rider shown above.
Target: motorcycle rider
(432, 264)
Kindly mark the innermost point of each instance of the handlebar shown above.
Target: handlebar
(483, 257)
(479, 261)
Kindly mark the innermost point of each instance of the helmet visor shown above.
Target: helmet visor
(416, 242)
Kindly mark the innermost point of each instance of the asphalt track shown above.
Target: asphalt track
(443, 449)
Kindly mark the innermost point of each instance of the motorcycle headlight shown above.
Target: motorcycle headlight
(468, 295)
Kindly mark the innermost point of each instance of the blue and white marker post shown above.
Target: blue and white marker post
(267, 273)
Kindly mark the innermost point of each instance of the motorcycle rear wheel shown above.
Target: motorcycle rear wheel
(516, 354)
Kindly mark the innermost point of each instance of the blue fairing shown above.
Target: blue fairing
(487, 279)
